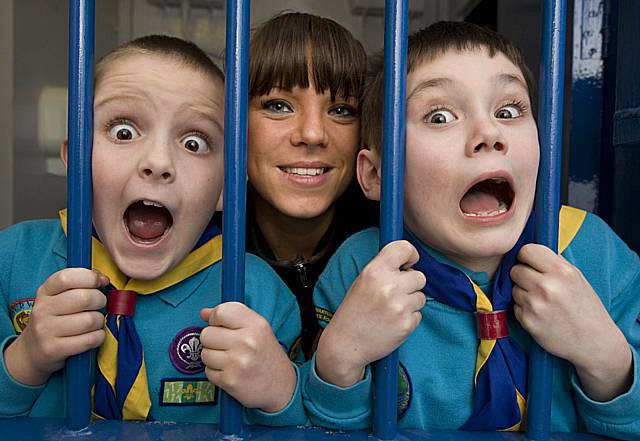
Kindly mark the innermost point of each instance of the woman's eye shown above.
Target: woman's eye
(440, 117)
(277, 106)
(123, 132)
(195, 144)
(342, 111)
(508, 112)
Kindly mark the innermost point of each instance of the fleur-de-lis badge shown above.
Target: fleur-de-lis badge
(192, 349)
(186, 349)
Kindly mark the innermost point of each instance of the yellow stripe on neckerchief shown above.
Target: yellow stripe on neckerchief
(121, 390)
(500, 377)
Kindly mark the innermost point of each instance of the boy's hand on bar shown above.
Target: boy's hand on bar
(381, 309)
(559, 308)
(243, 357)
(65, 321)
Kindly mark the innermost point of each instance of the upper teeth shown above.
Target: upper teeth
(502, 208)
(303, 171)
(155, 204)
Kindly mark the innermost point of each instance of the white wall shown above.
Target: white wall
(206, 25)
(6, 113)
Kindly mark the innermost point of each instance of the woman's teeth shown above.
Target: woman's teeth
(303, 171)
(502, 208)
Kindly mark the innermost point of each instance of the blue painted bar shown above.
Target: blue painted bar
(52, 429)
(79, 188)
(391, 205)
(550, 116)
(235, 172)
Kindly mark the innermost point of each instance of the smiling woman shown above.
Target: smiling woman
(306, 78)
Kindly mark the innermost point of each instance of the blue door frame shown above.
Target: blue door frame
(604, 152)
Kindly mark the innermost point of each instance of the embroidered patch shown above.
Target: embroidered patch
(20, 312)
(324, 315)
(185, 351)
(186, 392)
(404, 390)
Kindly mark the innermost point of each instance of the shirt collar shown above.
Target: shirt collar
(169, 287)
(480, 278)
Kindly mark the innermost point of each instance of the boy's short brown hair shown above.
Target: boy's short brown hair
(292, 47)
(181, 50)
(423, 46)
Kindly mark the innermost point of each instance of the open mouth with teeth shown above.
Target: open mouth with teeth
(488, 198)
(147, 221)
(305, 171)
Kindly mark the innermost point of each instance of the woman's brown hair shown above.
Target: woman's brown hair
(292, 47)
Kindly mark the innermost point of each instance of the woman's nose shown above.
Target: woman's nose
(311, 130)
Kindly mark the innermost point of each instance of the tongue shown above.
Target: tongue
(146, 222)
(478, 202)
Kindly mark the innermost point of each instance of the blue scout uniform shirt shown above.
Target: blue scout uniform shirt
(438, 360)
(31, 251)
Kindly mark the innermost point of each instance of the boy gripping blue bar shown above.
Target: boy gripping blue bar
(235, 172)
(79, 187)
(391, 207)
(548, 195)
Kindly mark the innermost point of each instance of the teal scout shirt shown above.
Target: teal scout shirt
(31, 251)
(438, 359)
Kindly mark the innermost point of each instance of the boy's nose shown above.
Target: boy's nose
(157, 163)
(486, 136)
(310, 131)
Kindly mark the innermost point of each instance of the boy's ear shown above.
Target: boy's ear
(64, 153)
(368, 171)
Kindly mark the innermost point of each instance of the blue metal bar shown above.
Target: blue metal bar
(235, 172)
(391, 208)
(550, 118)
(79, 188)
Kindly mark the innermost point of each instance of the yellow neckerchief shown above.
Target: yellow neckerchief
(137, 404)
(570, 221)
(196, 261)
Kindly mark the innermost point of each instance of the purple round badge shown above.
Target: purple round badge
(185, 351)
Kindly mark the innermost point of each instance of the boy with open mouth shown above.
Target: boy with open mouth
(468, 261)
(157, 177)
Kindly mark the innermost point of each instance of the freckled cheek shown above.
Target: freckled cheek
(263, 138)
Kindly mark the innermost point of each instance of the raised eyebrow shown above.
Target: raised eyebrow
(507, 79)
(430, 84)
(208, 116)
(127, 97)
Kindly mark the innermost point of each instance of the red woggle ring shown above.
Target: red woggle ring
(122, 302)
(492, 325)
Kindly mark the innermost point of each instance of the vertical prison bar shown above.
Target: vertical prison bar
(550, 118)
(235, 172)
(391, 206)
(79, 188)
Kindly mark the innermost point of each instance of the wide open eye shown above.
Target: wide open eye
(123, 131)
(196, 144)
(440, 116)
(508, 112)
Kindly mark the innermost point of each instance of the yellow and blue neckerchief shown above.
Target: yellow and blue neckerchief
(501, 366)
(121, 390)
